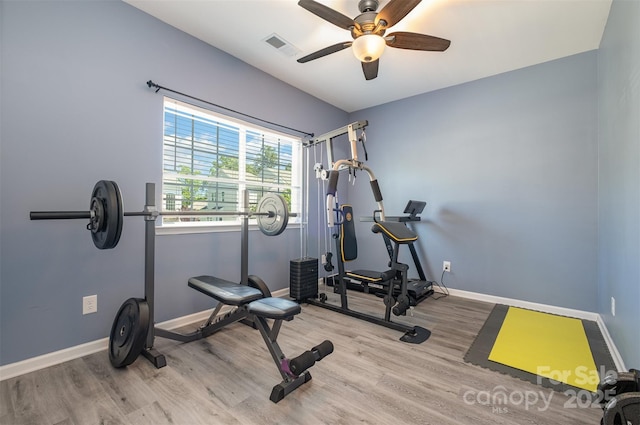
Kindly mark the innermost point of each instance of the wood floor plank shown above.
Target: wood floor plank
(126, 389)
(371, 378)
(6, 405)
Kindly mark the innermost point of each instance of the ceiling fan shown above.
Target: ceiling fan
(367, 30)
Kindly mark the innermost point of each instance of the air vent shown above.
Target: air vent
(281, 45)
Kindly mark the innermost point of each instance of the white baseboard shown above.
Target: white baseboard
(545, 308)
(615, 354)
(50, 359)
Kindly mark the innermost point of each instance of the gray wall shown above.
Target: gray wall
(619, 181)
(76, 110)
(508, 167)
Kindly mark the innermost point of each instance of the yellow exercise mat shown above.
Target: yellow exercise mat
(547, 345)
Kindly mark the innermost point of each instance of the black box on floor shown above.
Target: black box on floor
(303, 278)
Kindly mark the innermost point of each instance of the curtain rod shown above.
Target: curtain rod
(159, 87)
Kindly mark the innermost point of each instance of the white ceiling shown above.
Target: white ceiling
(488, 37)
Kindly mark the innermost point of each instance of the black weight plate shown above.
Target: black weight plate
(276, 204)
(108, 195)
(120, 214)
(128, 332)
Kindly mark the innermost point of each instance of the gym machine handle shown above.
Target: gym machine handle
(375, 187)
(375, 219)
(331, 193)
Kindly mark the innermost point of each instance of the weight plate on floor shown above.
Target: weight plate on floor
(276, 204)
(129, 332)
(107, 214)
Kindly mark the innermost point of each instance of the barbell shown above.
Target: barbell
(106, 214)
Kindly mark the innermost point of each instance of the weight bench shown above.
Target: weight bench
(253, 308)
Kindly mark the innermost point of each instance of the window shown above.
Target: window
(209, 160)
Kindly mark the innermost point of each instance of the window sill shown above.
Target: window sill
(187, 230)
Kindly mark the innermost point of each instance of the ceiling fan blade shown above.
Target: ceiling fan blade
(370, 69)
(327, 14)
(395, 10)
(326, 51)
(413, 41)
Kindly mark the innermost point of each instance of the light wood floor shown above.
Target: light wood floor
(371, 378)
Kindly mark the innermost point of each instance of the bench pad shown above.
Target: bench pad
(398, 232)
(274, 308)
(225, 291)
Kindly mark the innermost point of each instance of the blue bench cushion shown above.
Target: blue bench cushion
(274, 308)
(225, 291)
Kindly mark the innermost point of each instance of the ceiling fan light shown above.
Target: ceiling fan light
(368, 47)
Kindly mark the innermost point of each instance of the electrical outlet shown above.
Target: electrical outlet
(613, 306)
(90, 304)
(446, 266)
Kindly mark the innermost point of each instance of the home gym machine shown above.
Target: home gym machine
(344, 236)
(249, 301)
(419, 289)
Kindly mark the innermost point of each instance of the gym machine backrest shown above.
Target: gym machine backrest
(349, 251)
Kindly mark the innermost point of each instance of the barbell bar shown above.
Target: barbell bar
(106, 214)
(72, 215)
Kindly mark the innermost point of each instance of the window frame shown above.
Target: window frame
(296, 181)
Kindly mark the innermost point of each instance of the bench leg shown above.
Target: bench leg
(297, 368)
(281, 390)
(290, 378)
(270, 335)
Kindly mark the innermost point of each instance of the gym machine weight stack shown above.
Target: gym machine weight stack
(303, 278)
